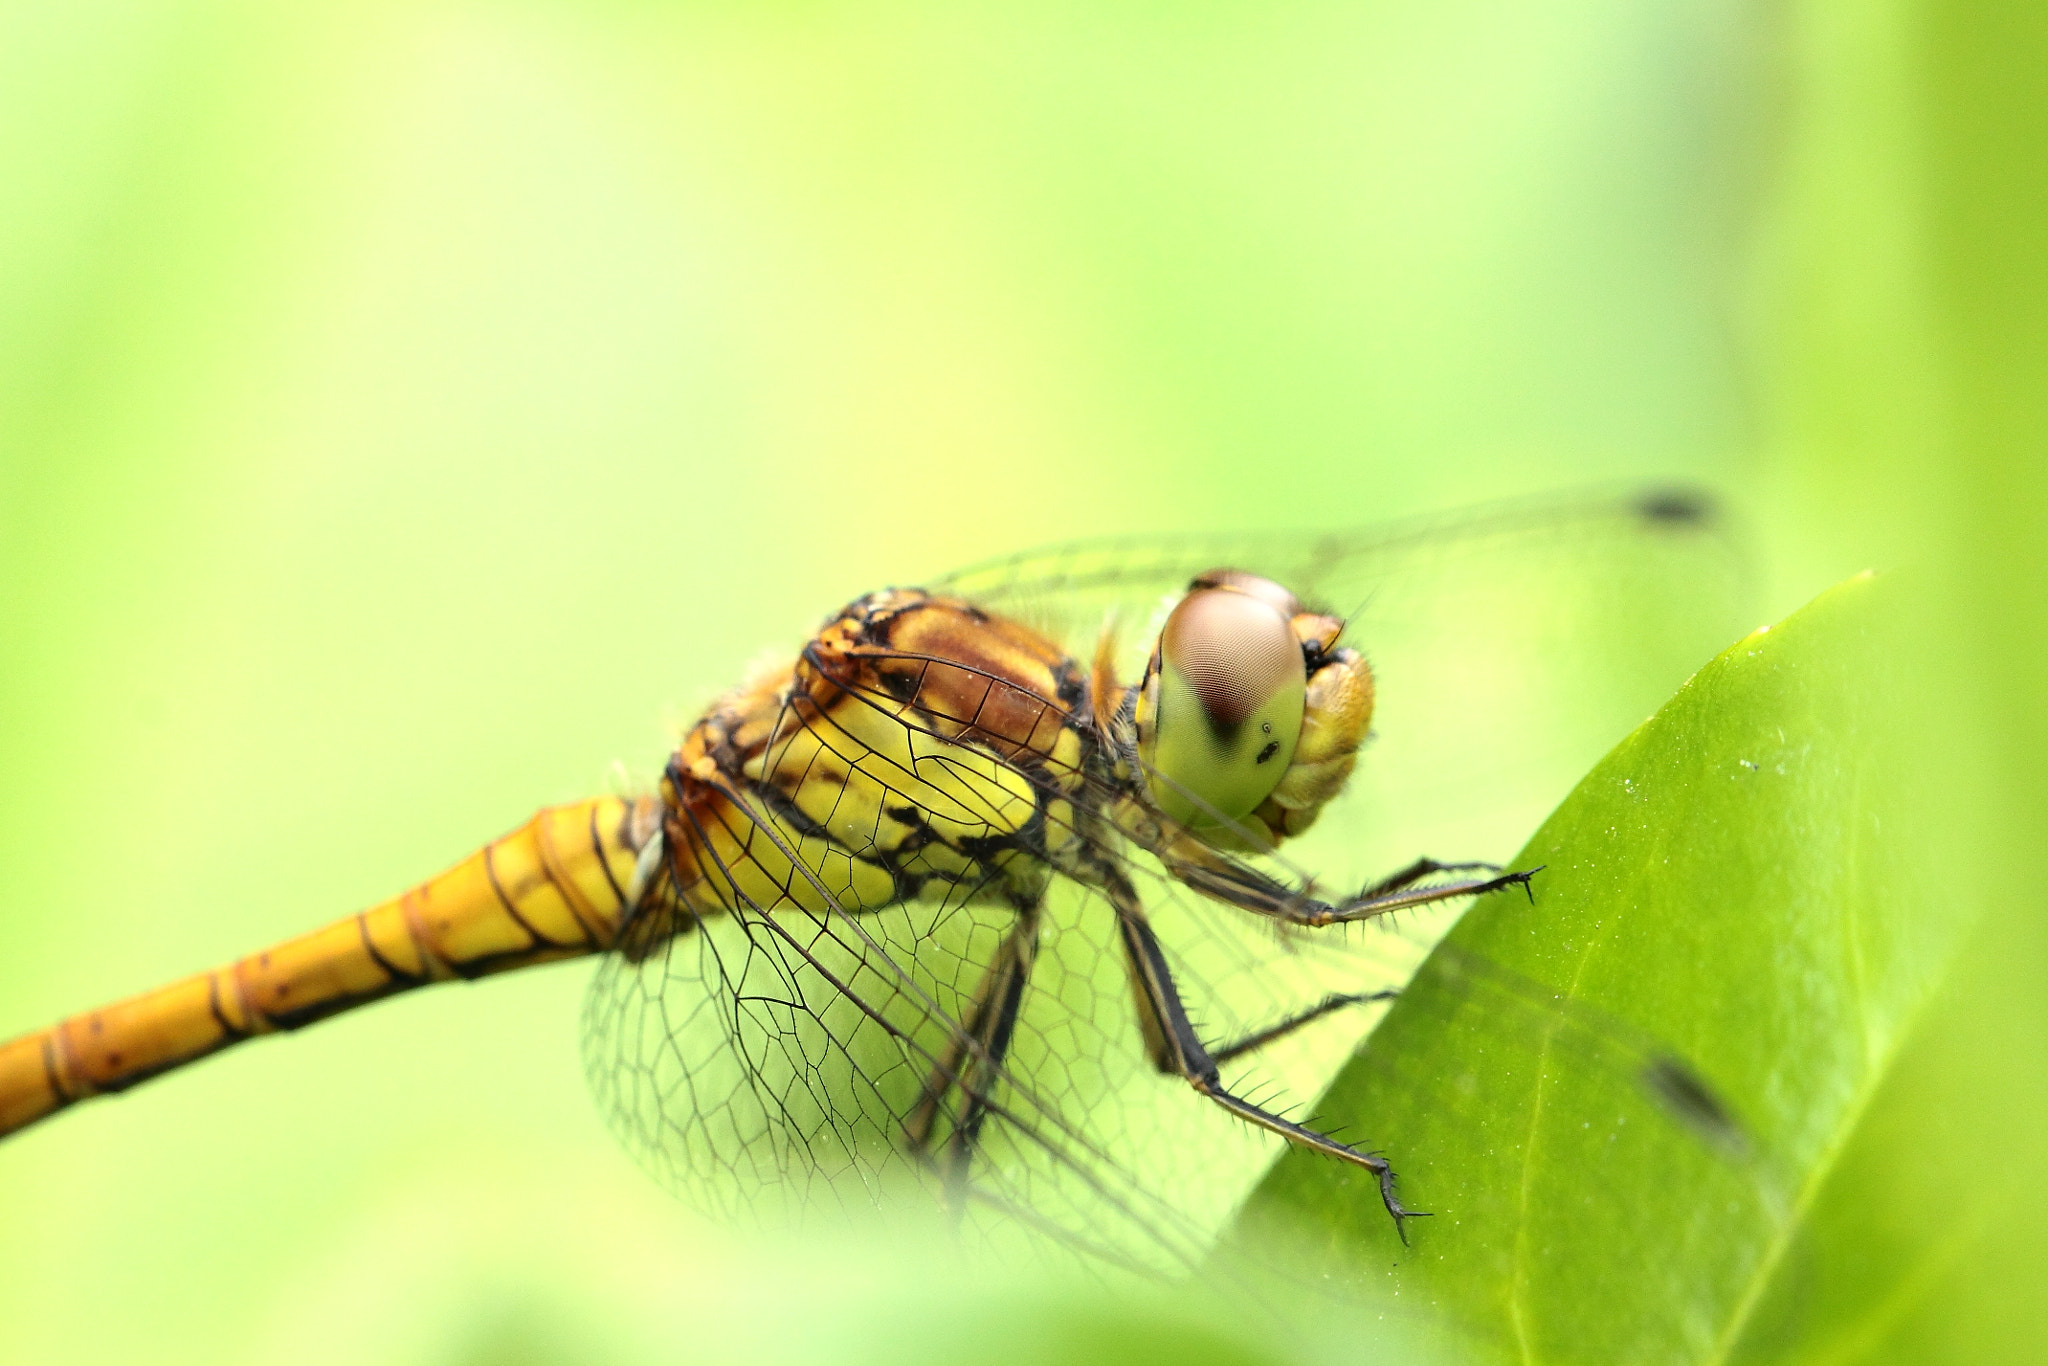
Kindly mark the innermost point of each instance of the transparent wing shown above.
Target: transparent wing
(1512, 645)
(802, 1053)
(1069, 589)
(770, 1063)
(767, 1064)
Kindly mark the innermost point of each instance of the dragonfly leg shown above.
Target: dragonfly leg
(973, 1058)
(1375, 902)
(1330, 1004)
(1420, 869)
(1194, 1062)
(1237, 884)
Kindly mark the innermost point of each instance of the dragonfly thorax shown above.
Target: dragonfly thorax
(917, 744)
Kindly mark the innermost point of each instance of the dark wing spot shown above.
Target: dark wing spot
(1689, 1099)
(1677, 506)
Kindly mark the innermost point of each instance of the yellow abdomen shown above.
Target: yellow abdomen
(554, 888)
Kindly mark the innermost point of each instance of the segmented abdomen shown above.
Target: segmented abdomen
(554, 888)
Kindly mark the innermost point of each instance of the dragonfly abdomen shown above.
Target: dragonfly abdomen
(554, 888)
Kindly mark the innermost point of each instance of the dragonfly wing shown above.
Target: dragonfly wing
(1511, 645)
(798, 1050)
(735, 1069)
(1069, 589)
(769, 1064)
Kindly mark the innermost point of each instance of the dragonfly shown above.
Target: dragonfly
(1029, 895)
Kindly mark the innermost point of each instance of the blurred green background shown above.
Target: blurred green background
(409, 411)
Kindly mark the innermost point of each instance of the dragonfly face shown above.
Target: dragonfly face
(1239, 674)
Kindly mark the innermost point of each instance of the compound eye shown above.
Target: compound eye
(1231, 691)
(1284, 602)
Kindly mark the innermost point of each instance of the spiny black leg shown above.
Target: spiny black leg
(974, 1056)
(1329, 1004)
(1373, 902)
(1238, 884)
(981, 1085)
(1420, 869)
(1149, 970)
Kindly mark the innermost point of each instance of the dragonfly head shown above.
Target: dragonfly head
(1225, 698)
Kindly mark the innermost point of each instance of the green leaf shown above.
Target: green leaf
(1746, 881)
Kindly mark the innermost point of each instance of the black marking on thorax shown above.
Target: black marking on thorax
(997, 859)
